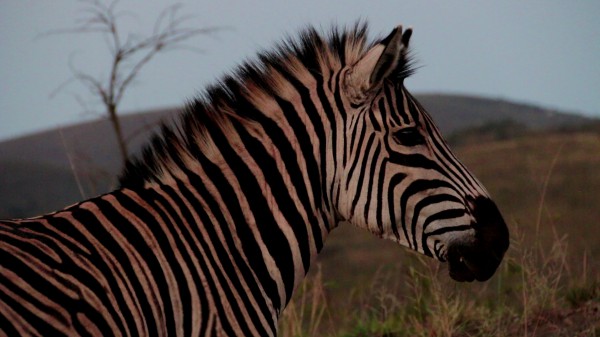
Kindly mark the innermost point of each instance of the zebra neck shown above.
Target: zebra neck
(257, 215)
(262, 176)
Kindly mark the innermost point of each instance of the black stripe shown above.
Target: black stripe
(289, 156)
(229, 260)
(89, 220)
(208, 224)
(417, 160)
(314, 115)
(352, 133)
(337, 91)
(400, 116)
(429, 200)
(380, 182)
(275, 180)
(414, 188)
(106, 240)
(414, 110)
(355, 154)
(374, 122)
(242, 231)
(374, 161)
(212, 261)
(259, 208)
(362, 172)
(7, 327)
(445, 214)
(179, 239)
(333, 125)
(275, 240)
(382, 111)
(14, 264)
(395, 180)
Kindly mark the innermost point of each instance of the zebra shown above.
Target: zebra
(218, 220)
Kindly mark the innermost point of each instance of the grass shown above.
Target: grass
(533, 294)
(548, 285)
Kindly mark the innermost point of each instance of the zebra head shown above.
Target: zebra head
(398, 177)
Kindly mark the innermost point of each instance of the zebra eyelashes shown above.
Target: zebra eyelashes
(409, 136)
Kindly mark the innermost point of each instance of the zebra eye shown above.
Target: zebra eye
(409, 136)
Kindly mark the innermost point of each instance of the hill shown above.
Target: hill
(456, 112)
(48, 170)
(80, 161)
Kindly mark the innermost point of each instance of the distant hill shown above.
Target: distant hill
(37, 175)
(455, 112)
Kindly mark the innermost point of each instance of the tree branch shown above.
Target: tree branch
(130, 57)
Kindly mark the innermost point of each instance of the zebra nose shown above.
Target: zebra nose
(479, 257)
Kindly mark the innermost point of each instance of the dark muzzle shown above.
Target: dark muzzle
(479, 257)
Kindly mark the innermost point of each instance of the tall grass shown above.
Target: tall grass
(303, 315)
(534, 293)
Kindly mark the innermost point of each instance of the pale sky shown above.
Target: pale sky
(540, 52)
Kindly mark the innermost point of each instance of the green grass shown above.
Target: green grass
(548, 188)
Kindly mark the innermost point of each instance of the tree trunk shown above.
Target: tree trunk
(116, 124)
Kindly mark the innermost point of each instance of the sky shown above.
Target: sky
(545, 53)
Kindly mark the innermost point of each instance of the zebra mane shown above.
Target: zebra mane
(310, 54)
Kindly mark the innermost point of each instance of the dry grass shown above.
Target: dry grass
(533, 294)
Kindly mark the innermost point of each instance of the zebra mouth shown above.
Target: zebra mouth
(469, 262)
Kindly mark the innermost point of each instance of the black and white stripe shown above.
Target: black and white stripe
(218, 222)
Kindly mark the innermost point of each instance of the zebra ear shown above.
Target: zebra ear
(378, 63)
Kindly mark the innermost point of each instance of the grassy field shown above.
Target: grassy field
(548, 188)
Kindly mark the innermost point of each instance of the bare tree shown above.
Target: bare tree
(129, 53)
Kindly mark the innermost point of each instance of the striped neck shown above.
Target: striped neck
(266, 185)
(262, 145)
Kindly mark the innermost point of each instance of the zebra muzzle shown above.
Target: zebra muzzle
(478, 257)
(468, 263)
